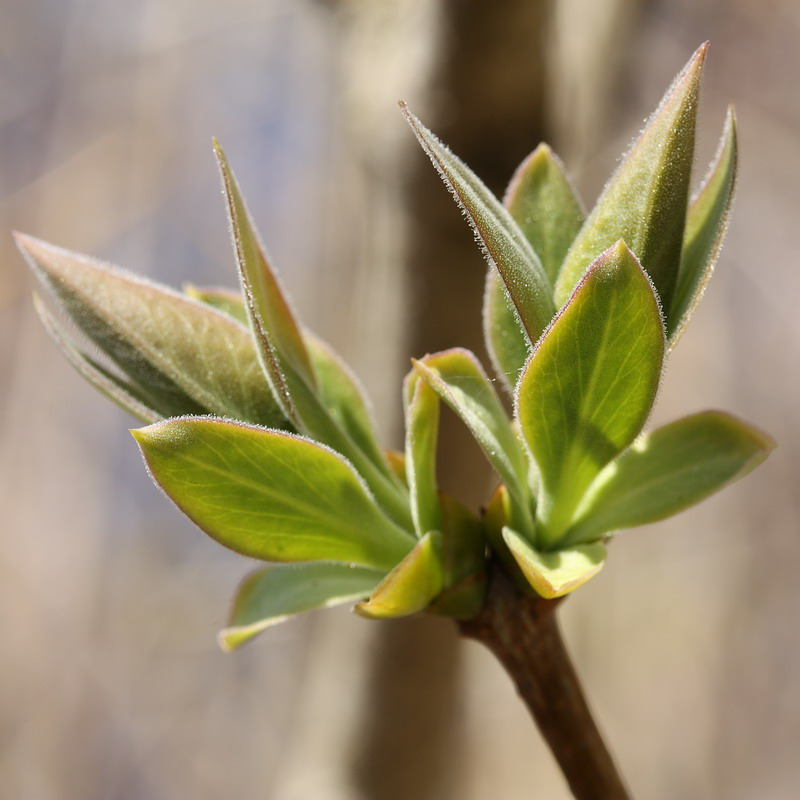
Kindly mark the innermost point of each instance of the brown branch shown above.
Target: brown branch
(523, 633)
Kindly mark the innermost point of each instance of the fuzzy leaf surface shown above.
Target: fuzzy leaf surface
(555, 574)
(668, 470)
(543, 202)
(590, 383)
(706, 223)
(410, 586)
(458, 378)
(277, 333)
(645, 201)
(505, 245)
(270, 495)
(272, 594)
(179, 356)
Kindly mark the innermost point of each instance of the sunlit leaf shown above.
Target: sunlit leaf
(557, 573)
(505, 246)
(645, 201)
(422, 429)
(180, 356)
(543, 202)
(270, 495)
(706, 223)
(590, 383)
(410, 586)
(274, 593)
(667, 470)
(456, 375)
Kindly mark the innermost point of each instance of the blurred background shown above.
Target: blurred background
(111, 685)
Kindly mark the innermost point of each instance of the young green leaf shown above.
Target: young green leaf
(505, 245)
(706, 223)
(280, 342)
(225, 300)
(270, 495)
(274, 593)
(668, 470)
(545, 205)
(180, 356)
(411, 585)
(590, 383)
(645, 201)
(555, 574)
(458, 378)
(422, 429)
(543, 202)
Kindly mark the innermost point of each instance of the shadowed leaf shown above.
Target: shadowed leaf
(706, 223)
(225, 300)
(542, 201)
(457, 377)
(273, 594)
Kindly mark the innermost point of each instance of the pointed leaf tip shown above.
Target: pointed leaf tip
(646, 199)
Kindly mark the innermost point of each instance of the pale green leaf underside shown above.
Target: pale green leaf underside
(668, 470)
(184, 357)
(270, 495)
(422, 429)
(225, 300)
(274, 593)
(558, 573)
(645, 201)
(505, 245)
(456, 375)
(411, 585)
(590, 383)
(706, 223)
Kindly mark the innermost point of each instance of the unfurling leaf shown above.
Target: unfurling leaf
(668, 470)
(274, 593)
(270, 495)
(411, 585)
(505, 246)
(706, 223)
(645, 201)
(590, 383)
(542, 201)
(555, 574)
(457, 377)
(422, 429)
(178, 356)
(225, 300)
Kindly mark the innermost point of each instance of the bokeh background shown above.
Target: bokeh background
(111, 685)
